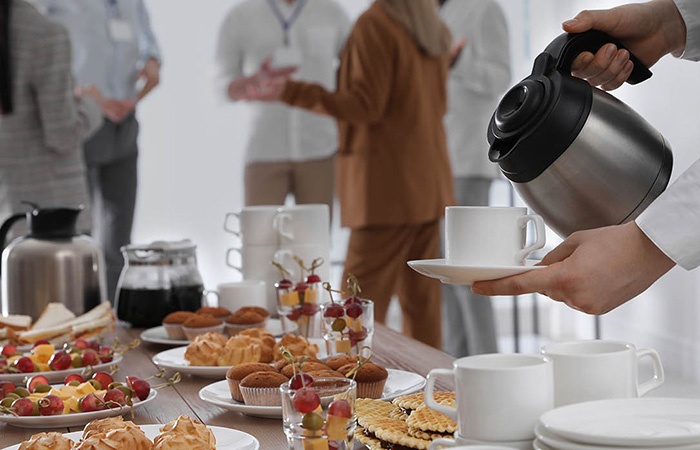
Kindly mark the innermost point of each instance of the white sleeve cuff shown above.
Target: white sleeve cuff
(690, 11)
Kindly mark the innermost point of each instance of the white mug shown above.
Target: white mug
(490, 236)
(303, 224)
(597, 370)
(236, 295)
(255, 264)
(255, 225)
(500, 397)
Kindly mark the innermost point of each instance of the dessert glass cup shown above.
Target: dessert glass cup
(335, 431)
(301, 308)
(356, 334)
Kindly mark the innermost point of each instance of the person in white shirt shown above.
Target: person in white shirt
(477, 80)
(289, 150)
(596, 271)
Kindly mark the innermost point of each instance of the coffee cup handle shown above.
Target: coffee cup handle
(228, 259)
(205, 298)
(540, 235)
(280, 255)
(278, 224)
(430, 389)
(442, 442)
(658, 379)
(226, 223)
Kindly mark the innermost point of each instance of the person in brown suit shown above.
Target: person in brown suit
(393, 171)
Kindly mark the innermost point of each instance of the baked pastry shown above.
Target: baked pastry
(236, 373)
(298, 346)
(373, 418)
(205, 349)
(103, 426)
(185, 426)
(47, 441)
(282, 363)
(262, 388)
(244, 319)
(217, 311)
(339, 361)
(173, 324)
(260, 333)
(180, 442)
(118, 439)
(201, 324)
(370, 379)
(289, 370)
(327, 373)
(258, 309)
(238, 350)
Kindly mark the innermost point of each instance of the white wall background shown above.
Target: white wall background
(192, 158)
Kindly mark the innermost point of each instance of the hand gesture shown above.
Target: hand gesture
(150, 74)
(266, 85)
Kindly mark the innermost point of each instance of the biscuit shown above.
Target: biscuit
(425, 419)
(394, 432)
(415, 401)
(369, 442)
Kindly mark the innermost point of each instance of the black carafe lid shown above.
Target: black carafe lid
(53, 223)
(541, 116)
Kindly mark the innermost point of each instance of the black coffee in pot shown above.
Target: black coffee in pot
(146, 308)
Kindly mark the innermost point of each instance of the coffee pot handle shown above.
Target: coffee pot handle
(430, 389)
(566, 47)
(658, 379)
(5, 231)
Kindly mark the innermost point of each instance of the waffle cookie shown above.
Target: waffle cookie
(425, 419)
(412, 402)
(367, 408)
(395, 432)
(370, 442)
(398, 414)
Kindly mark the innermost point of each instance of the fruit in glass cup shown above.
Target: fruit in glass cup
(343, 322)
(298, 302)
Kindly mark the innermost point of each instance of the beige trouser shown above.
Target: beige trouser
(268, 183)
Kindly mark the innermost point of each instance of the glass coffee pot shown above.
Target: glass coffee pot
(157, 279)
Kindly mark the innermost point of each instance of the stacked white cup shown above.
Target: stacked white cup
(278, 233)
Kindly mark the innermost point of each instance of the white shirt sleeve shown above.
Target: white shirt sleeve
(229, 54)
(672, 222)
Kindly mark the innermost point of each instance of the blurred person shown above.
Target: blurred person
(595, 271)
(115, 49)
(42, 120)
(477, 79)
(290, 151)
(393, 172)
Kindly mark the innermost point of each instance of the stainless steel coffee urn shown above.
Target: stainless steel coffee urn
(53, 263)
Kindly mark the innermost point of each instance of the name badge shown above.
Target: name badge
(286, 56)
(121, 31)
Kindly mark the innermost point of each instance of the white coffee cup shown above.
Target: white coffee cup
(255, 264)
(461, 443)
(500, 397)
(490, 236)
(255, 225)
(238, 294)
(597, 370)
(303, 224)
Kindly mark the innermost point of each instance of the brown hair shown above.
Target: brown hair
(421, 20)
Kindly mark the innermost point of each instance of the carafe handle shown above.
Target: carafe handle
(566, 47)
(5, 230)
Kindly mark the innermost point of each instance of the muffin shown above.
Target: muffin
(289, 370)
(282, 363)
(217, 311)
(173, 324)
(205, 349)
(325, 373)
(47, 441)
(339, 361)
(186, 426)
(262, 388)
(258, 309)
(201, 324)
(239, 350)
(244, 319)
(370, 379)
(236, 373)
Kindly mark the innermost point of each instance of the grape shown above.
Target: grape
(24, 365)
(130, 379)
(338, 325)
(91, 403)
(300, 381)
(7, 402)
(306, 400)
(104, 378)
(41, 342)
(295, 314)
(309, 309)
(90, 358)
(301, 286)
(313, 278)
(340, 408)
(22, 392)
(114, 385)
(354, 310)
(81, 344)
(51, 405)
(358, 336)
(74, 377)
(312, 421)
(351, 300)
(117, 396)
(73, 383)
(127, 391)
(106, 354)
(60, 361)
(96, 384)
(8, 350)
(77, 361)
(334, 310)
(284, 284)
(5, 388)
(23, 407)
(141, 389)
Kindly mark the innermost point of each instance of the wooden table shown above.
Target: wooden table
(390, 349)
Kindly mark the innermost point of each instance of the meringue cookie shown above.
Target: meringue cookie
(47, 441)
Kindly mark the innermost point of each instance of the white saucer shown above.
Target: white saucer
(458, 274)
(226, 438)
(630, 422)
(158, 335)
(517, 445)
(552, 440)
(398, 383)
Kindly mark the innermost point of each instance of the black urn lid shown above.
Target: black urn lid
(53, 223)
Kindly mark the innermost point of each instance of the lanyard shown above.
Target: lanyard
(287, 23)
(113, 9)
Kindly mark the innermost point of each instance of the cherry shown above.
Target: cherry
(73, 377)
(35, 381)
(24, 365)
(300, 381)
(8, 350)
(41, 342)
(350, 300)
(23, 407)
(313, 278)
(357, 336)
(106, 354)
(116, 396)
(353, 310)
(141, 389)
(284, 284)
(301, 286)
(334, 310)
(90, 358)
(51, 405)
(130, 381)
(95, 346)
(309, 309)
(340, 408)
(81, 344)
(104, 378)
(60, 361)
(295, 314)
(306, 400)
(5, 388)
(91, 403)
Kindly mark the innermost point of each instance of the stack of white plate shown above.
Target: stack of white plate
(622, 424)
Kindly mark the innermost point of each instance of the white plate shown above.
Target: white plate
(74, 419)
(468, 275)
(560, 443)
(539, 445)
(639, 422)
(56, 376)
(398, 383)
(174, 359)
(226, 438)
(158, 335)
